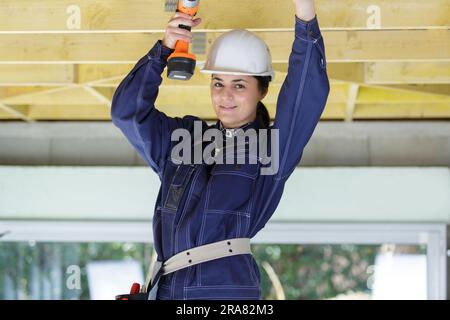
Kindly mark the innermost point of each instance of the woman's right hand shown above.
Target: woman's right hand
(174, 33)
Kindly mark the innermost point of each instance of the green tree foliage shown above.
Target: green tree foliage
(316, 272)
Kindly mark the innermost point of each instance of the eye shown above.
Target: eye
(240, 86)
(217, 83)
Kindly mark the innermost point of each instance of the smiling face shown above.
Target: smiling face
(235, 99)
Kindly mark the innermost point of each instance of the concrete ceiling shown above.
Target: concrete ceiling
(334, 143)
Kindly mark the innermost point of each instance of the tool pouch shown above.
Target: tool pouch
(135, 296)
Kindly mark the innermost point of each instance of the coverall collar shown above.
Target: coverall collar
(229, 133)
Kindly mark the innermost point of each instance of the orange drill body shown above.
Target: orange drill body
(181, 63)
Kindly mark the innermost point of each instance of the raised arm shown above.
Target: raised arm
(300, 104)
(305, 90)
(133, 106)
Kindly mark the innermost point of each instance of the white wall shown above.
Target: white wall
(311, 194)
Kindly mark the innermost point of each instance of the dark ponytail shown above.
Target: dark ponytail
(263, 114)
(261, 110)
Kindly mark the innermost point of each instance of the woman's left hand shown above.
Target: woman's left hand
(305, 9)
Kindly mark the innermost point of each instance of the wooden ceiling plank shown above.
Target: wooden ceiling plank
(105, 15)
(342, 46)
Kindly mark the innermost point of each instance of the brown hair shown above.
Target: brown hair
(261, 110)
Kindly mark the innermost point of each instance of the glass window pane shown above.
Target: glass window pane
(30, 270)
(55, 271)
(342, 271)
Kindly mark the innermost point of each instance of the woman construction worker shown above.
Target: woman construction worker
(206, 212)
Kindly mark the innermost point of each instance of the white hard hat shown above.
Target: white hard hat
(239, 52)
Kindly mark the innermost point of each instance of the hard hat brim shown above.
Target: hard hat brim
(264, 74)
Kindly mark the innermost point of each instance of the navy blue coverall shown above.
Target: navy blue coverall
(199, 204)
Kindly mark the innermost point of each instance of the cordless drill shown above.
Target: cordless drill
(181, 63)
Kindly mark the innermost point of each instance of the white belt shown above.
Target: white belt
(200, 254)
(207, 252)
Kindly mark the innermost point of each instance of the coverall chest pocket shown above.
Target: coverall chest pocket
(178, 184)
(231, 188)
